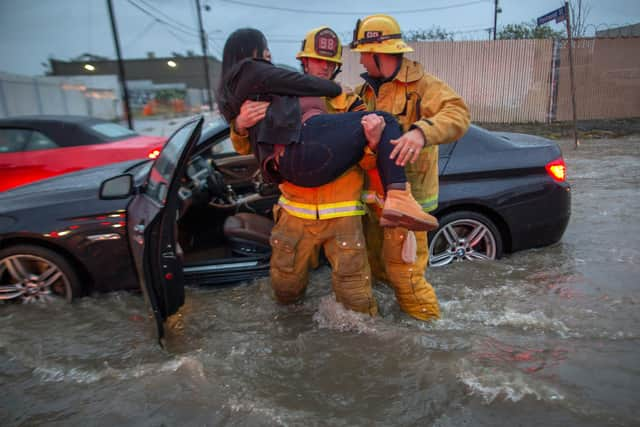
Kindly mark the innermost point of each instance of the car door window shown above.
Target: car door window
(13, 140)
(38, 141)
(165, 165)
(223, 147)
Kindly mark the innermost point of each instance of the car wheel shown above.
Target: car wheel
(464, 236)
(31, 274)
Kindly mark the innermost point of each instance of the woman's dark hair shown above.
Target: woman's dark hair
(240, 45)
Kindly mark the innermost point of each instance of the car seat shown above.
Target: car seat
(248, 234)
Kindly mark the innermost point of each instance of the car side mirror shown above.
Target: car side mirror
(118, 187)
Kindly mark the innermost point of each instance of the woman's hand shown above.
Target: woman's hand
(251, 112)
(373, 126)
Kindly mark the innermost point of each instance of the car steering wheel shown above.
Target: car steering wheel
(202, 183)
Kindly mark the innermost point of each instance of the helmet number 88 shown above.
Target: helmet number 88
(326, 43)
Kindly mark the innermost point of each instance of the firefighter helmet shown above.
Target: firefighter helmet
(378, 34)
(321, 43)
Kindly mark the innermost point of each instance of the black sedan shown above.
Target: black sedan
(499, 192)
(200, 215)
(63, 236)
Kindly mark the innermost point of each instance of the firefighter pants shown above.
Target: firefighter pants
(296, 244)
(415, 295)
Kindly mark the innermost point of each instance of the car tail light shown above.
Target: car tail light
(557, 169)
(153, 154)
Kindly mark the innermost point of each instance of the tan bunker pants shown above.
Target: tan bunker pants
(296, 244)
(415, 295)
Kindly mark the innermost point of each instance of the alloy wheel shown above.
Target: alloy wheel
(32, 279)
(462, 240)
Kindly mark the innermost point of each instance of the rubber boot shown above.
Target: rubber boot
(401, 210)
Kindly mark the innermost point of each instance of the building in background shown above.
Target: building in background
(96, 96)
(188, 70)
(159, 85)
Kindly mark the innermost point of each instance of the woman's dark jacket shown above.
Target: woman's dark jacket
(259, 80)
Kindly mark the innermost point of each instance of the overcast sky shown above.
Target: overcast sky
(33, 30)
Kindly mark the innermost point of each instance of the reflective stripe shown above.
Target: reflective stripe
(301, 210)
(322, 211)
(340, 209)
(429, 204)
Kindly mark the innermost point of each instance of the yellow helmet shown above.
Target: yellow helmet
(378, 34)
(321, 43)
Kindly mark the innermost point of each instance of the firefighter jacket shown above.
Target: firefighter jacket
(339, 198)
(419, 100)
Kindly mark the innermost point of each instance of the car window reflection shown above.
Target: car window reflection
(164, 167)
(223, 147)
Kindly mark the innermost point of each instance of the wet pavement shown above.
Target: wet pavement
(548, 337)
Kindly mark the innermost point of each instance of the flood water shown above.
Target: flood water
(545, 337)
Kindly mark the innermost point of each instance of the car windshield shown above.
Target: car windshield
(112, 131)
(164, 167)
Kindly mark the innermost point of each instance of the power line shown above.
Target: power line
(215, 45)
(141, 34)
(329, 12)
(161, 13)
(176, 26)
(172, 25)
(177, 36)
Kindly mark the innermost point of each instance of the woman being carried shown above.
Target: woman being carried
(316, 148)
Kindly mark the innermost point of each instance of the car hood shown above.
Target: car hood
(80, 185)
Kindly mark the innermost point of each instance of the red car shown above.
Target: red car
(38, 147)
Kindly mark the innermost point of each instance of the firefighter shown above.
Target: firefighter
(328, 216)
(430, 113)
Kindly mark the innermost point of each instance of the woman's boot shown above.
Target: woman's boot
(401, 210)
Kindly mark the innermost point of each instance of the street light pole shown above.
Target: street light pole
(571, 72)
(495, 17)
(121, 75)
(203, 42)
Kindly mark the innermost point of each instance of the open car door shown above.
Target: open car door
(152, 227)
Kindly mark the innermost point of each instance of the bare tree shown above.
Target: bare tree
(579, 14)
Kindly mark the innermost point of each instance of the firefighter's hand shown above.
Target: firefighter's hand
(407, 147)
(251, 112)
(373, 126)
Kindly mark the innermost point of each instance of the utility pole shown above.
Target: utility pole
(121, 75)
(573, 87)
(203, 42)
(496, 10)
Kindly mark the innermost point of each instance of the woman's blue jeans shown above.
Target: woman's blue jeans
(330, 144)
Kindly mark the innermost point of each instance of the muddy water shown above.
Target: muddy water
(542, 337)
